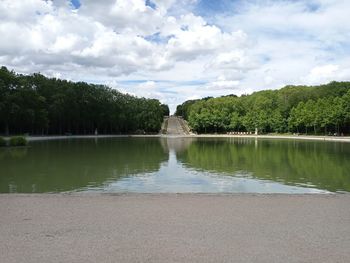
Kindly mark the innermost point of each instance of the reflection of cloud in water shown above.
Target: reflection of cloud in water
(176, 164)
(173, 177)
(306, 164)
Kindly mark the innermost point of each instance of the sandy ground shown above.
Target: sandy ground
(174, 228)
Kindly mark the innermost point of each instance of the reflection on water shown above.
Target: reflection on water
(68, 165)
(171, 165)
(323, 165)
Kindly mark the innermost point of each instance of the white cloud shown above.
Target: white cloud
(327, 73)
(177, 54)
(322, 73)
(223, 85)
(24, 11)
(195, 38)
(148, 85)
(124, 16)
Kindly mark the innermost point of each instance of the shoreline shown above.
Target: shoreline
(167, 194)
(289, 137)
(174, 228)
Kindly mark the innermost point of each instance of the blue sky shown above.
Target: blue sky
(207, 8)
(178, 50)
(75, 3)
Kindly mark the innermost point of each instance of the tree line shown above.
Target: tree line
(36, 104)
(323, 109)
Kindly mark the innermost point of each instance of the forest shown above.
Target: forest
(323, 110)
(35, 104)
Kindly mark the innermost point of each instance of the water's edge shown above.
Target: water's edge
(294, 137)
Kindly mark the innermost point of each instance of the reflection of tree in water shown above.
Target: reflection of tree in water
(14, 152)
(65, 165)
(323, 164)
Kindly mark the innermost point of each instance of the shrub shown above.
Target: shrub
(2, 142)
(18, 141)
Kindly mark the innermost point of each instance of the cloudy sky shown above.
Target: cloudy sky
(178, 50)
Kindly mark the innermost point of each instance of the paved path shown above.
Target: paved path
(175, 126)
(174, 228)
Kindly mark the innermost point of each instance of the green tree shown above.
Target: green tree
(292, 108)
(39, 105)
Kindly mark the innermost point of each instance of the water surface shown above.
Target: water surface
(176, 165)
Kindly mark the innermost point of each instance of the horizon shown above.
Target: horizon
(175, 51)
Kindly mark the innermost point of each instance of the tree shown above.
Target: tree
(39, 105)
(165, 108)
(235, 121)
(292, 108)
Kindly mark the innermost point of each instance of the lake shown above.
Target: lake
(176, 165)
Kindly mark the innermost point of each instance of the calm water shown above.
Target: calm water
(236, 165)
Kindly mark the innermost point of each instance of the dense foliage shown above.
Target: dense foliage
(18, 141)
(318, 109)
(2, 142)
(39, 105)
(184, 108)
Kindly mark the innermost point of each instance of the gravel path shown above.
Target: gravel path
(174, 228)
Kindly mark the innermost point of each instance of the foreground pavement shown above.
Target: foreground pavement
(174, 228)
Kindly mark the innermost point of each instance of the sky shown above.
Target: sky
(179, 50)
